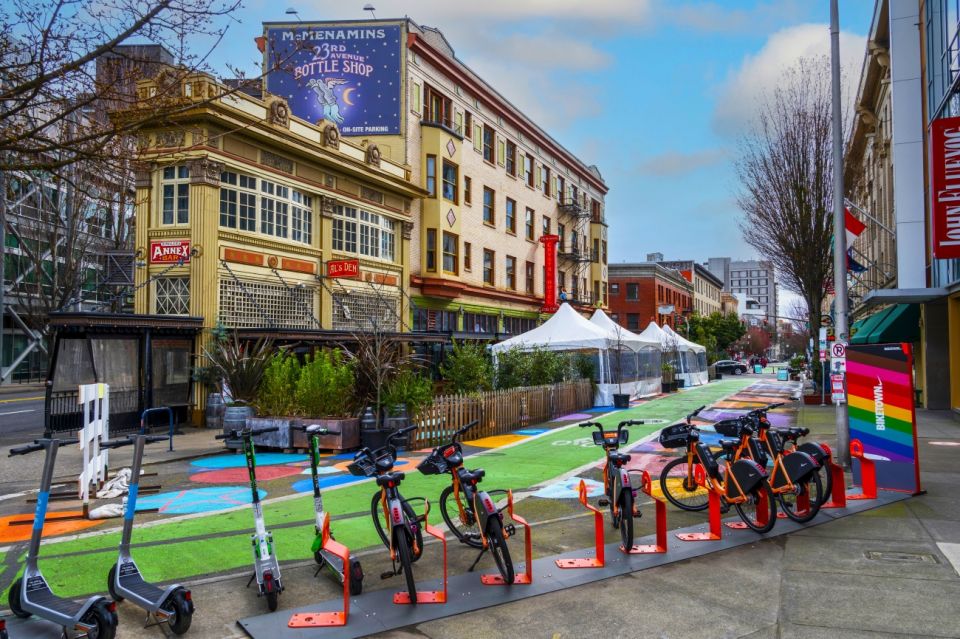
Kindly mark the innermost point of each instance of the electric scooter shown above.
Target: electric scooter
(265, 564)
(95, 618)
(172, 605)
(321, 556)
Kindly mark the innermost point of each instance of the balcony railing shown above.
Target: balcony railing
(444, 123)
(576, 255)
(573, 206)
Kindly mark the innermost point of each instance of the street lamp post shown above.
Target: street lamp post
(839, 228)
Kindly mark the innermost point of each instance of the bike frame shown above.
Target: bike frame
(473, 495)
(263, 559)
(745, 441)
(395, 517)
(33, 581)
(716, 485)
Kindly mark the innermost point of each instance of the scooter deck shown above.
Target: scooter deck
(44, 598)
(135, 584)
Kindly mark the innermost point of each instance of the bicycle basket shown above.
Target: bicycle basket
(728, 427)
(675, 436)
(363, 467)
(433, 464)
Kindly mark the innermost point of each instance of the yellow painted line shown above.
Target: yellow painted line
(21, 399)
(496, 441)
(867, 404)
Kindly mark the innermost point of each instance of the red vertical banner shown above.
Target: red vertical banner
(945, 187)
(550, 264)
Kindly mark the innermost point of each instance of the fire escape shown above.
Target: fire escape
(574, 252)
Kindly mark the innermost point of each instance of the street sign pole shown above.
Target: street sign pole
(823, 382)
(839, 228)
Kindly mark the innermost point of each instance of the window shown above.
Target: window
(417, 96)
(488, 206)
(450, 182)
(546, 181)
(511, 273)
(432, 175)
(562, 276)
(302, 218)
(518, 325)
(633, 321)
(501, 152)
(529, 223)
(511, 162)
(562, 232)
(175, 185)
(451, 257)
(431, 249)
(467, 189)
(633, 292)
(603, 247)
(467, 256)
(596, 250)
(530, 278)
(488, 143)
(511, 215)
(377, 234)
(614, 289)
(528, 169)
(488, 257)
(238, 201)
(467, 124)
(546, 225)
(173, 296)
(480, 323)
(478, 138)
(561, 187)
(274, 208)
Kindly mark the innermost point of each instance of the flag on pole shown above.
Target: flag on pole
(854, 266)
(853, 226)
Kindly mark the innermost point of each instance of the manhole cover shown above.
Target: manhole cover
(901, 557)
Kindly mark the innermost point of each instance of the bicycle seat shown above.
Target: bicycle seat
(385, 463)
(473, 476)
(729, 444)
(395, 478)
(619, 458)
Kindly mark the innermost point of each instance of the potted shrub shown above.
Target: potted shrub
(240, 369)
(404, 397)
(668, 380)
(620, 399)
(276, 403)
(324, 395)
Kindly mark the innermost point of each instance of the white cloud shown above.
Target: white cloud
(712, 17)
(673, 163)
(745, 87)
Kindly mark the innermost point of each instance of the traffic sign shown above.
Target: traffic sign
(838, 350)
(836, 389)
(826, 320)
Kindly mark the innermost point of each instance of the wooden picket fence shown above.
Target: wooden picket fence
(499, 412)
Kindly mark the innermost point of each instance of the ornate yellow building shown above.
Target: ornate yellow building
(240, 208)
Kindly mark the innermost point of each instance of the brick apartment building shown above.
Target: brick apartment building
(640, 291)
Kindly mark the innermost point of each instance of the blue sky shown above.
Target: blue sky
(655, 92)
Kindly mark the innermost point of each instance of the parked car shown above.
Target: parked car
(730, 367)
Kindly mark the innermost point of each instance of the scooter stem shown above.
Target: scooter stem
(43, 497)
(132, 493)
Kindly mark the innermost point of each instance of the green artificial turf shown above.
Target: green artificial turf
(521, 466)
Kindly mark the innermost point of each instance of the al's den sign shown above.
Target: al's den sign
(345, 74)
(945, 187)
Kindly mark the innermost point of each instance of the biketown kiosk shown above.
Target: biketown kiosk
(146, 360)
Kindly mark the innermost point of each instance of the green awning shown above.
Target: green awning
(866, 326)
(898, 323)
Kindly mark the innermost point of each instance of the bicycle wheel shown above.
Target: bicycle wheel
(405, 556)
(789, 502)
(626, 519)
(467, 531)
(612, 498)
(679, 487)
(498, 548)
(751, 513)
(382, 526)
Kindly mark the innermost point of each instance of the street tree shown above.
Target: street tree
(785, 167)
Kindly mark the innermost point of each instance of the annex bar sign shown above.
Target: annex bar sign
(945, 187)
(170, 251)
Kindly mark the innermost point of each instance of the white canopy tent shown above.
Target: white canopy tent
(692, 358)
(567, 330)
(637, 361)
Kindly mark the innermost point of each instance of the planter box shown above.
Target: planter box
(282, 438)
(348, 439)
(621, 400)
(668, 387)
(811, 400)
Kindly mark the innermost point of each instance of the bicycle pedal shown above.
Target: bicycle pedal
(387, 575)
(603, 502)
(510, 529)
(637, 514)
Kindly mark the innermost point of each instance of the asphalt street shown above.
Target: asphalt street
(21, 416)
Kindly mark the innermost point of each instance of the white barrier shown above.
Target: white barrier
(95, 405)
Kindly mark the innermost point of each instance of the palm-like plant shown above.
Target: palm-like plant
(240, 366)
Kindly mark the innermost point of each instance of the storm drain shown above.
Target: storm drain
(901, 557)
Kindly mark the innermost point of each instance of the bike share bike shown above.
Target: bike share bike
(321, 556)
(172, 605)
(794, 477)
(95, 618)
(265, 563)
(742, 483)
(469, 512)
(400, 528)
(618, 492)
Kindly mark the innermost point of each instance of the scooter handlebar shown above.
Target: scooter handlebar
(116, 443)
(253, 432)
(315, 429)
(153, 439)
(24, 450)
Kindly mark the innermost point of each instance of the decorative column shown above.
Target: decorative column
(144, 208)
(550, 264)
(327, 209)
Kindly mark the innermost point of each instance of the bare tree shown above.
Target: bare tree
(785, 169)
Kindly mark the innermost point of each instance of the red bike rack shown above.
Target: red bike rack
(328, 619)
(587, 562)
(838, 491)
(716, 530)
(868, 472)
(429, 596)
(661, 545)
(527, 576)
(763, 512)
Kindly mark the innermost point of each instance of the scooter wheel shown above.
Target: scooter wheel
(356, 578)
(14, 600)
(318, 557)
(103, 621)
(273, 600)
(182, 612)
(111, 580)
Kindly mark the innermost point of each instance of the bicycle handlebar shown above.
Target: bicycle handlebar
(695, 413)
(241, 433)
(465, 429)
(399, 433)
